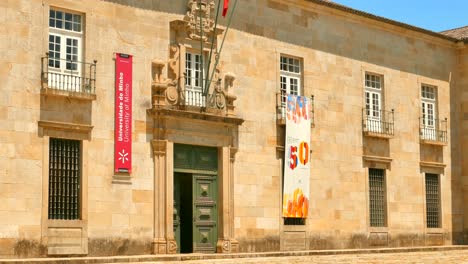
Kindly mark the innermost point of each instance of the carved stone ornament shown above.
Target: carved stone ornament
(226, 246)
(220, 100)
(174, 70)
(200, 9)
(171, 246)
(172, 93)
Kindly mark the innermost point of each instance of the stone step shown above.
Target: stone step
(193, 257)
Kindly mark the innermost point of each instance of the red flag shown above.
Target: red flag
(225, 8)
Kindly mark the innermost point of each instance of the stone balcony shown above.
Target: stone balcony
(67, 78)
(378, 123)
(433, 132)
(171, 97)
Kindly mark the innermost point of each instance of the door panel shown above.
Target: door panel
(205, 212)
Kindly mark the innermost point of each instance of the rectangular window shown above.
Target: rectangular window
(193, 80)
(375, 118)
(64, 179)
(193, 77)
(373, 95)
(429, 112)
(290, 79)
(432, 201)
(377, 198)
(65, 50)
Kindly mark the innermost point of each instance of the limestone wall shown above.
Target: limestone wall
(462, 107)
(337, 49)
(119, 216)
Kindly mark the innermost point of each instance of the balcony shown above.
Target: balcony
(178, 96)
(378, 123)
(192, 96)
(281, 109)
(433, 132)
(61, 77)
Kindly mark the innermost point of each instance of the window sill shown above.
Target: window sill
(378, 229)
(379, 159)
(66, 223)
(435, 230)
(432, 142)
(377, 134)
(430, 164)
(69, 94)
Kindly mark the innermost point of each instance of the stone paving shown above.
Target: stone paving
(442, 257)
(431, 255)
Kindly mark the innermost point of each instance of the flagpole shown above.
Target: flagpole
(201, 46)
(207, 83)
(218, 55)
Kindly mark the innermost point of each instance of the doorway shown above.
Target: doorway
(183, 214)
(195, 199)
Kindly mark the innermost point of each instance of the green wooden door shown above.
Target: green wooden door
(195, 198)
(205, 213)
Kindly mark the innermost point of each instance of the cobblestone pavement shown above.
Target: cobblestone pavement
(442, 257)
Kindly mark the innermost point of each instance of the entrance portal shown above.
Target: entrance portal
(195, 199)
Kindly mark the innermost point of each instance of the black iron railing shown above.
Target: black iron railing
(69, 75)
(378, 121)
(281, 108)
(433, 129)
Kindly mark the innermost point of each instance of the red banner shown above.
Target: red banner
(123, 113)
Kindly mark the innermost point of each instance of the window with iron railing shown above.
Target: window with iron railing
(63, 67)
(436, 133)
(432, 201)
(281, 109)
(375, 119)
(290, 83)
(384, 125)
(431, 128)
(64, 179)
(290, 79)
(377, 198)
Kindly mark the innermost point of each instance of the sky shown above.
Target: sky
(434, 15)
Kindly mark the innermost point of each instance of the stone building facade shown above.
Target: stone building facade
(388, 159)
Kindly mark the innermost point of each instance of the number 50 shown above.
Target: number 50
(303, 155)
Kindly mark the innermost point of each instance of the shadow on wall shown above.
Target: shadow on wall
(175, 7)
(328, 33)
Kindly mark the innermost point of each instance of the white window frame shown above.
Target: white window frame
(373, 90)
(193, 70)
(429, 111)
(290, 79)
(57, 74)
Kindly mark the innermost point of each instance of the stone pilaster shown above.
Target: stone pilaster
(163, 238)
(226, 242)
